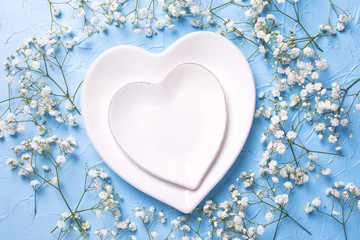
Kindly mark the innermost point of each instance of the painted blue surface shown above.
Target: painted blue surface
(20, 19)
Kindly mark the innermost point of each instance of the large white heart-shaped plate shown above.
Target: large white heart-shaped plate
(122, 65)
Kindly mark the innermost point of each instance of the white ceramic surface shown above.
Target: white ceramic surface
(173, 129)
(124, 64)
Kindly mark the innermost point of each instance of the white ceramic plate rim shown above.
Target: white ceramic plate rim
(190, 198)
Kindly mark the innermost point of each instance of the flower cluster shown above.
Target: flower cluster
(226, 220)
(148, 217)
(345, 201)
(51, 154)
(343, 17)
(42, 85)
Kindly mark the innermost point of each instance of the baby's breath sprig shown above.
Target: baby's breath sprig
(345, 202)
(88, 12)
(343, 18)
(148, 217)
(272, 190)
(40, 161)
(235, 219)
(43, 89)
(225, 220)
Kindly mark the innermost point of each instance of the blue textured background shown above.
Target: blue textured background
(20, 19)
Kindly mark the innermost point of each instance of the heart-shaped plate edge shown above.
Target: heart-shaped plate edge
(180, 198)
(205, 170)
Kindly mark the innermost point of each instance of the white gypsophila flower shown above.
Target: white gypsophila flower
(54, 180)
(321, 64)
(339, 184)
(67, 28)
(154, 234)
(50, 51)
(121, 225)
(104, 232)
(344, 122)
(72, 120)
(269, 216)
(143, 11)
(104, 175)
(86, 225)
(328, 191)
(11, 162)
(14, 62)
(137, 30)
(332, 138)
(230, 26)
(275, 179)
(291, 135)
(195, 9)
(334, 122)
(69, 44)
(132, 227)
(160, 24)
(33, 183)
(65, 214)
(45, 168)
(340, 26)
(93, 173)
(152, 209)
(260, 230)
(316, 202)
(280, 199)
(56, 11)
(148, 32)
(335, 213)
(95, 20)
(186, 228)
(41, 129)
(312, 156)
(251, 14)
(308, 51)
(60, 159)
(9, 79)
(103, 195)
(21, 128)
(294, 53)
(35, 65)
(175, 223)
(288, 185)
(69, 106)
(25, 157)
(95, 5)
(279, 134)
(61, 224)
(81, 12)
(309, 208)
(261, 95)
(45, 91)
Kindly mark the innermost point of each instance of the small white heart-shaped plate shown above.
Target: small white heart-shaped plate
(173, 129)
(122, 65)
